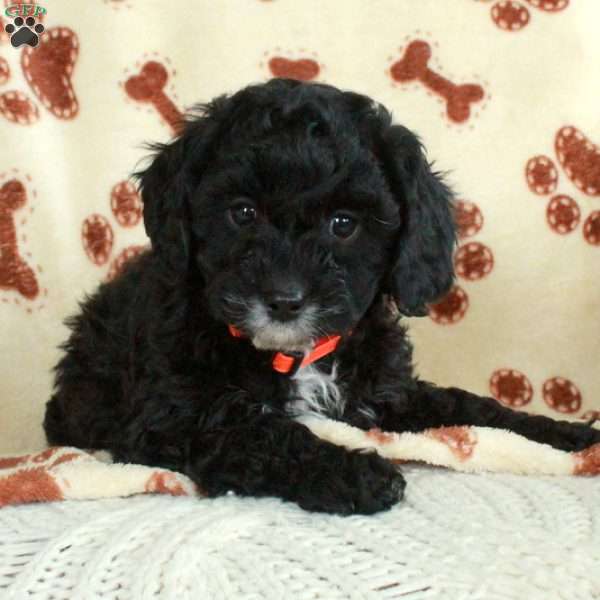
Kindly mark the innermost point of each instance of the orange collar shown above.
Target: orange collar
(290, 363)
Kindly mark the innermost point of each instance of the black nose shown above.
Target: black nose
(285, 305)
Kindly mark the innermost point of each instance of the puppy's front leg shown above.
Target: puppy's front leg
(273, 456)
(428, 406)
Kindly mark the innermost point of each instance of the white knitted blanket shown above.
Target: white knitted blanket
(456, 536)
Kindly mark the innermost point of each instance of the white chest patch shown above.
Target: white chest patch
(317, 393)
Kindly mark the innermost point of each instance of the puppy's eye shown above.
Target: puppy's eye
(242, 214)
(343, 225)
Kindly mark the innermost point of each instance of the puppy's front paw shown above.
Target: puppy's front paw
(364, 483)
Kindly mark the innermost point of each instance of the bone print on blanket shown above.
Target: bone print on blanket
(63, 473)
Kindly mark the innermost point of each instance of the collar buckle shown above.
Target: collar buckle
(288, 363)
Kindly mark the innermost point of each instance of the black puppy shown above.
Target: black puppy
(283, 220)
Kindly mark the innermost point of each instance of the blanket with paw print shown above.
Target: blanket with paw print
(64, 473)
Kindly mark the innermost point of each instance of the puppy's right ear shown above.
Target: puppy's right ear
(162, 186)
(168, 183)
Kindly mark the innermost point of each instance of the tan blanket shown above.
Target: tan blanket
(63, 473)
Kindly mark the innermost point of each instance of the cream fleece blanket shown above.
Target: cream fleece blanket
(63, 473)
(503, 93)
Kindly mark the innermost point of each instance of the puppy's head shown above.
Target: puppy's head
(297, 205)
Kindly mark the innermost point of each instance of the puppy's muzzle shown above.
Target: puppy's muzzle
(285, 305)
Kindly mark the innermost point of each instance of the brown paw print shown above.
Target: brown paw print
(510, 15)
(301, 65)
(48, 69)
(4, 71)
(561, 395)
(513, 389)
(587, 462)
(460, 440)
(97, 238)
(18, 274)
(97, 234)
(472, 261)
(415, 65)
(149, 86)
(580, 162)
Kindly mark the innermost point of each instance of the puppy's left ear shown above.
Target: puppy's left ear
(422, 267)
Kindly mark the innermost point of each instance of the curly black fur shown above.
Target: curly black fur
(150, 371)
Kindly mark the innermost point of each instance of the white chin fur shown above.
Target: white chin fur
(266, 334)
(281, 337)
